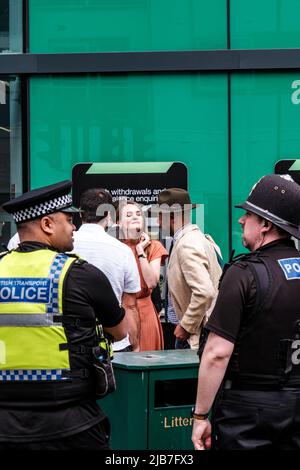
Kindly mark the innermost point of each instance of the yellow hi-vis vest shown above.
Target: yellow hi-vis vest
(30, 301)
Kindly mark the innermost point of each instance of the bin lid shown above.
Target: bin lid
(168, 359)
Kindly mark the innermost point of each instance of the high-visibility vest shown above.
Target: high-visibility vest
(31, 287)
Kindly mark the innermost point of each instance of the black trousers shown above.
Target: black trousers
(94, 438)
(256, 420)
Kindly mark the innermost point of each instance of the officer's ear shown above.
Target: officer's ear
(267, 225)
(47, 224)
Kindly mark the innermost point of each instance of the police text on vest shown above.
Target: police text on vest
(290, 267)
(35, 290)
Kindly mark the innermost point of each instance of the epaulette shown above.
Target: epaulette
(227, 266)
(72, 255)
(260, 271)
(241, 261)
(78, 260)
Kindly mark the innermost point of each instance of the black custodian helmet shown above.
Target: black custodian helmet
(276, 198)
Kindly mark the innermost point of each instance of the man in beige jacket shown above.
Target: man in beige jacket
(193, 271)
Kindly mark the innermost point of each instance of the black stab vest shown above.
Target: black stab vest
(266, 350)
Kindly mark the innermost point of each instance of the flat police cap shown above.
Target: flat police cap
(276, 198)
(41, 201)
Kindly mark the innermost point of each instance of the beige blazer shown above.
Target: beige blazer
(193, 277)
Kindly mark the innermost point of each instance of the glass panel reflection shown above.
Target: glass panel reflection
(264, 25)
(135, 118)
(126, 25)
(265, 114)
(11, 26)
(10, 150)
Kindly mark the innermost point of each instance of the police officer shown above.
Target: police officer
(49, 304)
(253, 344)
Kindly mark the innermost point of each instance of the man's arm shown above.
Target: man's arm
(237, 290)
(89, 288)
(119, 331)
(214, 362)
(133, 318)
(194, 266)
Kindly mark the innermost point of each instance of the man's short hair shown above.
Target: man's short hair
(91, 201)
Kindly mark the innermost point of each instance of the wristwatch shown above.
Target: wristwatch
(200, 417)
(142, 255)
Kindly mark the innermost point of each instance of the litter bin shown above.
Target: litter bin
(151, 408)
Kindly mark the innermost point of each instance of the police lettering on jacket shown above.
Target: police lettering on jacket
(25, 290)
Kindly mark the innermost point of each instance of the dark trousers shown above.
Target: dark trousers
(256, 420)
(181, 344)
(94, 438)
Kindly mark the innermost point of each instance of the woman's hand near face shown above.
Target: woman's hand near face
(143, 243)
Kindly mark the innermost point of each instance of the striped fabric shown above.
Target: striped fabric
(46, 207)
(30, 375)
(54, 274)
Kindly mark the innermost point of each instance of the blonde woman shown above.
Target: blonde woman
(149, 255)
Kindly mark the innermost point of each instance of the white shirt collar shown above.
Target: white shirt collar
(178, 232)
(91, 228)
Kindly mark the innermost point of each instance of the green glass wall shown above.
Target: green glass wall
(135, 118)
(265, 119)
(166, 117)
(264, 24)
(114, 25)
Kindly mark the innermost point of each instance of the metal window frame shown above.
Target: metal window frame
(151, 62)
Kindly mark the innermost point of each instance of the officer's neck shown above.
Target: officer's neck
(267, 239)
(30, 237)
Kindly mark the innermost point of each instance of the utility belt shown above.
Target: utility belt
(243, 385)
(105, 382)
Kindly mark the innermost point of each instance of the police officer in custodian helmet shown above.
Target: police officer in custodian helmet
(250, 365)
(49, 304)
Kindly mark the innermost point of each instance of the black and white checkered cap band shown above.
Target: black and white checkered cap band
(46, 207)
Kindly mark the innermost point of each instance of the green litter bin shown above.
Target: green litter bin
(151, 408)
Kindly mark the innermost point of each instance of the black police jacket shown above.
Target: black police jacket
(267, 350)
